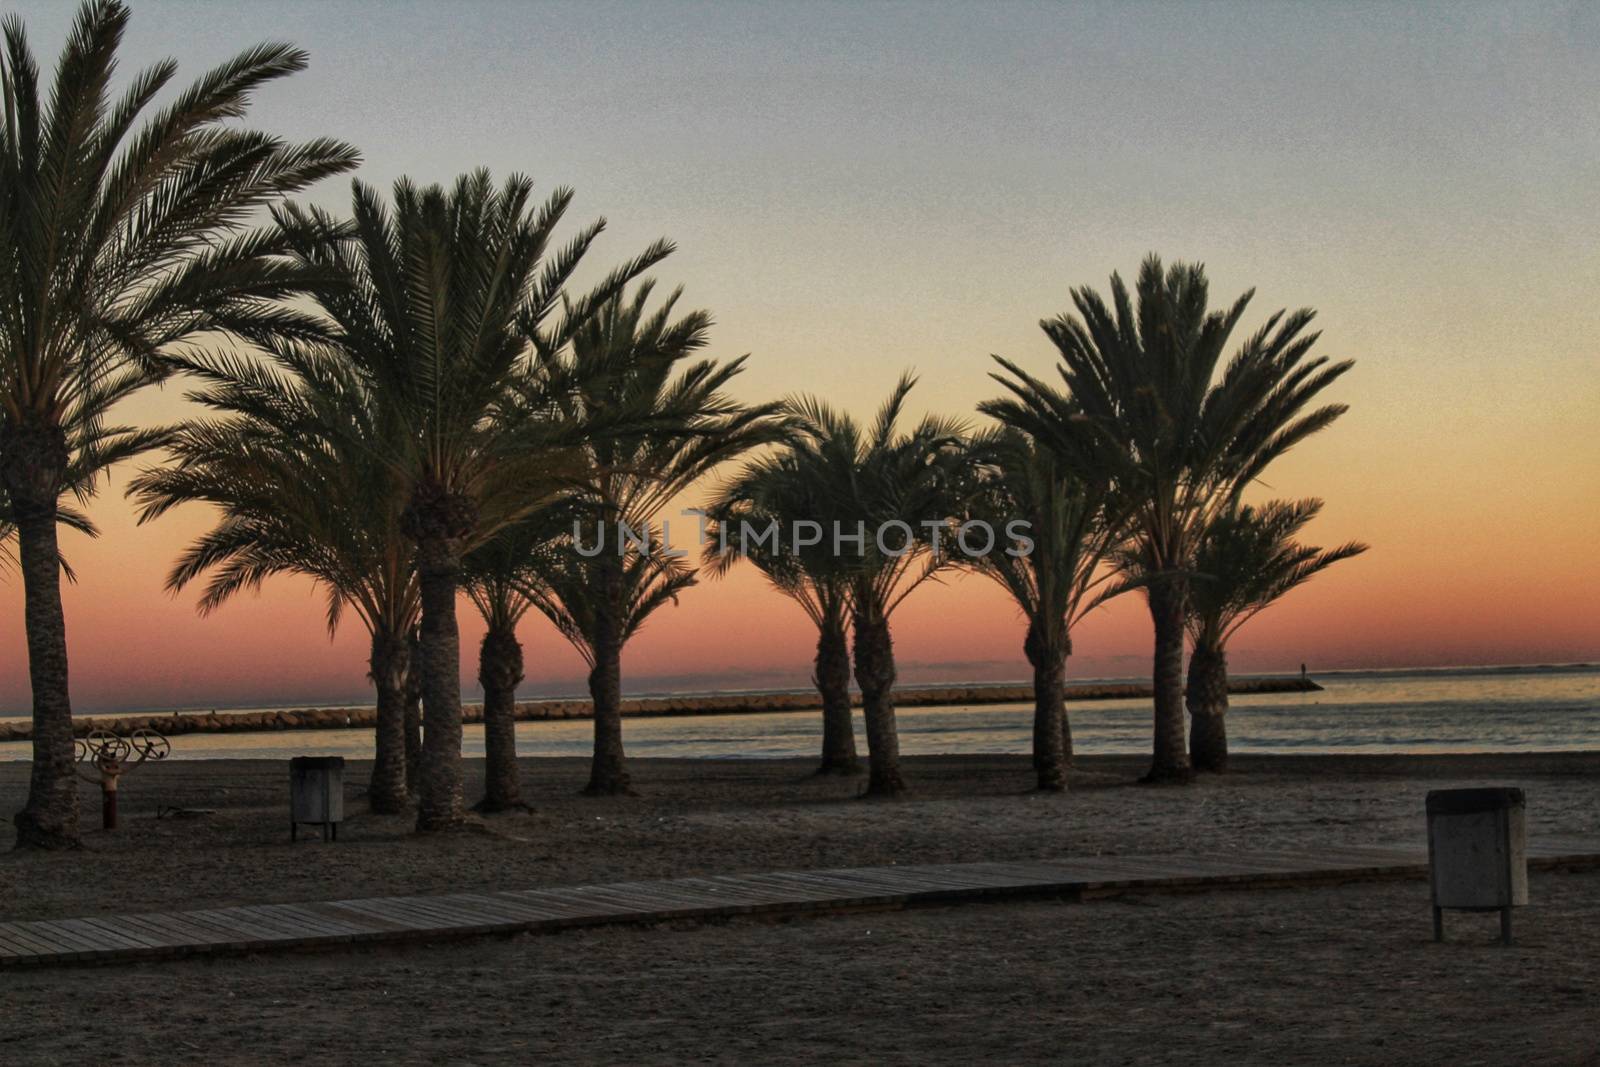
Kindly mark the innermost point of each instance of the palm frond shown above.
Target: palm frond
(1247, 560)
(128, 235)
(1147, 399)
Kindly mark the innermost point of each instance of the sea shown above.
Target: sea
(1551, 708)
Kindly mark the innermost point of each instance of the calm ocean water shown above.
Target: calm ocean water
(1458, 710)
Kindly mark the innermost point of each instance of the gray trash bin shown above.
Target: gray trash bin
(1477, 853)
(316, 794)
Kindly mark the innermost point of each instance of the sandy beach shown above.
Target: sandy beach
(722, 816)
(1339, 974)
(1342, 975)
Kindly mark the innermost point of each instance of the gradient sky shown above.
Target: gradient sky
(859, 189)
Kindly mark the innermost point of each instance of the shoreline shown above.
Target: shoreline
(177, 723)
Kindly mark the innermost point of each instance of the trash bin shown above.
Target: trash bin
(316, 794)
(1477, 853)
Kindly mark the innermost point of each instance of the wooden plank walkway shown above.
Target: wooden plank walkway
(256, 928)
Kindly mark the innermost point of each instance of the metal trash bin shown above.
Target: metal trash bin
(316, 794)
(1477, 853)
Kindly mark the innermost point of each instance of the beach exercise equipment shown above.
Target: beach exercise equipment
(113, 756)
(1477, 853)
(316, 794)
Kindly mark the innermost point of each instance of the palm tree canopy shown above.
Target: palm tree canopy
(867, 478)
(669, 422)
(496, 574)
(777, 491)
(1247, 560)
(291, 496)
(561, 584)
(120, 240)
(1071, 524)
(444, 302)
(1149, 399)
(675, 421)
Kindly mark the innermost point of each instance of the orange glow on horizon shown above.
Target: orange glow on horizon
(1413, 600)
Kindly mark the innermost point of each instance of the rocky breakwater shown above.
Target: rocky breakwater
(176, 724)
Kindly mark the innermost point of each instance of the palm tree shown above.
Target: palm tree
(895, 491)
(440, 301)
(294, 499)
(117, 246)
(599, 619)
(629, 363)
(1070, 532)
(1246, 561)
(495, 576)
(783, 490)
(1145, 404)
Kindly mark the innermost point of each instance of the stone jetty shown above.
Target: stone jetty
(175, 724)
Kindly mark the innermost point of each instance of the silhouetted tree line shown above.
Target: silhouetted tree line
(411, 401)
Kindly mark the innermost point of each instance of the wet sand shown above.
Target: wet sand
(1346, 974)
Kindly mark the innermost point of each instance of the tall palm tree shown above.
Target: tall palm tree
(1247, 559)
(117, 245)
(630, 362)
(783, 490)
(1071, 530)
(906, 485)
(442, 301)
(294, 499)
(1150, 402)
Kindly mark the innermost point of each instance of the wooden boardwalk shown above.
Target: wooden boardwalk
(117, 938)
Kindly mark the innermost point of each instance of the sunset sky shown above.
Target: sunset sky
(858, 190)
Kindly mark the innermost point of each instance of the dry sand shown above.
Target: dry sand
(1345, 974)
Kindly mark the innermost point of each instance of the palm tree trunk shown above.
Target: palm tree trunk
(413, 710)
(1208, 708)
(1052, 737)
(832, 679)
(440, 805)
(33, 460)
(1170, 761)
(608, 772)
(49, 819)
(874, 656)
(499, 671)
(390, 653)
